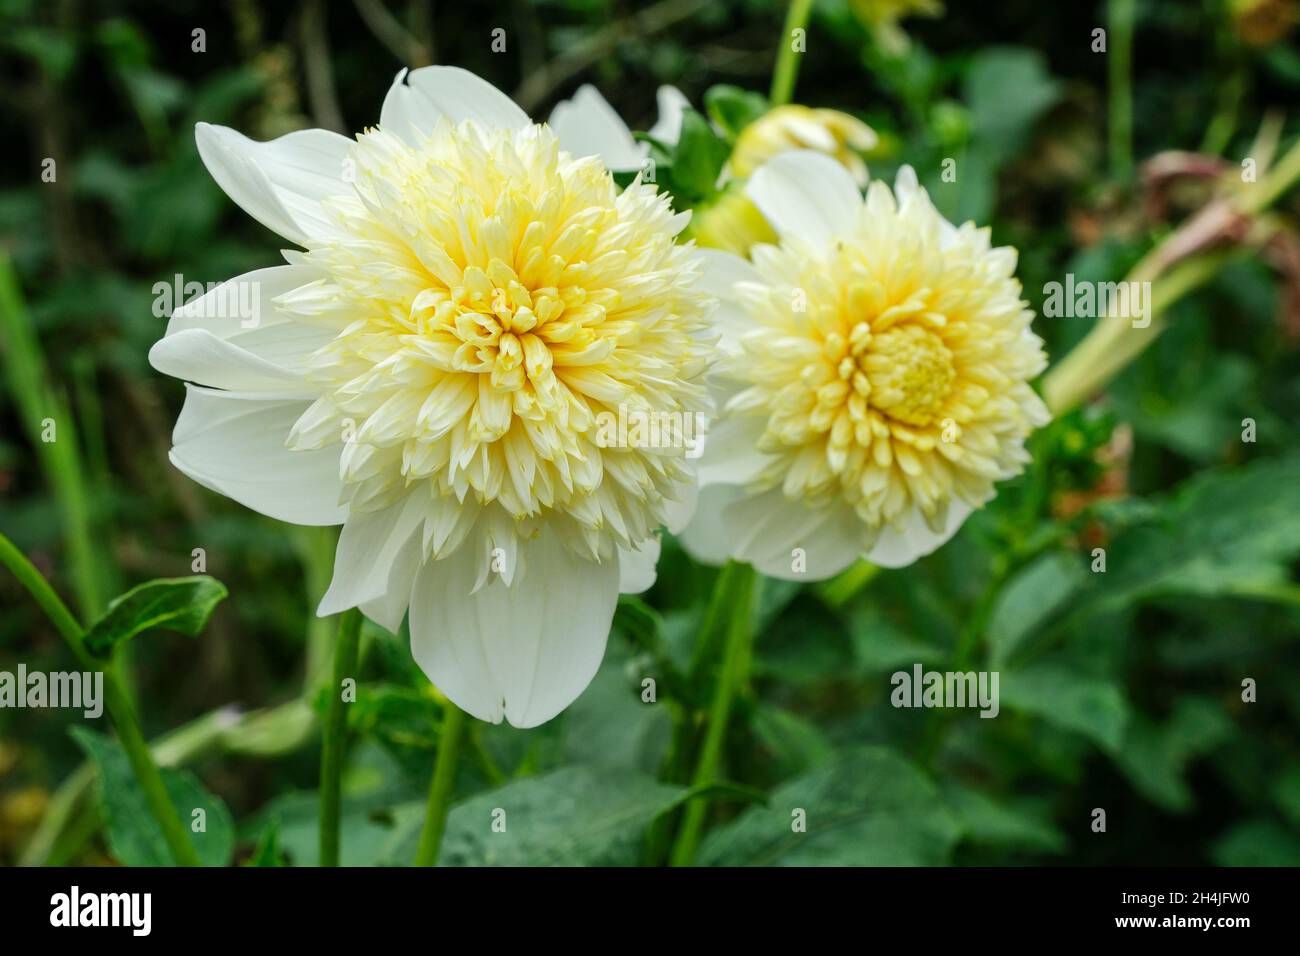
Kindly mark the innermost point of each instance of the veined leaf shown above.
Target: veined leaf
(868, 807)
(174, 604)
(134, 836)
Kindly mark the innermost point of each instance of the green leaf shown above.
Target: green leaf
(576, 816)
(880, 646)
(1227, 531)
(267, 852)
(1258, 842)
(610, 725)
(175, 604)
(868, 807)
(1286, 794)
(375, 797)
(987, 822)
(365, 828)
(1069, 699)
(405, 721)
(1007, 90)
(697, 161)
(1030, 599)
(732, 108)
(794, 743)
(55, 52)
(1155, 756)
(134, 836)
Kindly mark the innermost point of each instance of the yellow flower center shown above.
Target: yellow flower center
(910, 372)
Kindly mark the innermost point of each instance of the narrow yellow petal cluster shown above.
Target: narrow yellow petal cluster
(497, 297)
(838, 135)
(893, 373)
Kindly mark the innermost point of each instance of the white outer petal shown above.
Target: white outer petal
(523, 651)
(706, 538)
(233, 443)
(388, 610)
(368, 547)
(679, 510)
(279, 183)
(419, 97)
(672, 103)
(636, 569)
(722, 271)
(898, 547)
(767, 528)
(588, 126)
(206, 341)
(807, 196)
(196, 355)
(731, 455)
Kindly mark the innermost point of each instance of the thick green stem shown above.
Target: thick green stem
(734, 595)
(440, 787)
(116, 700)
(1280, 178)
(1120, 63)
(1116, 341)
(787, 57)
(336, 726)
(315, 548)
(845, 586)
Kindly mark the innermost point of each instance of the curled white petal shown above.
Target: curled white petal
(280, 183)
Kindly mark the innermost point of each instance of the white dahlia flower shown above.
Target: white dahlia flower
(475, 299)
(874, 378)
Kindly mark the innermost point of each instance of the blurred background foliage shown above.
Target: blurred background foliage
(1120, 690)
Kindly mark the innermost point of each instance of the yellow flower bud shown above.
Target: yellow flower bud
(838, 135)
(731, 223)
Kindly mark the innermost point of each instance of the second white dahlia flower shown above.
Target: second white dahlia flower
(874, 378)
(473, 300)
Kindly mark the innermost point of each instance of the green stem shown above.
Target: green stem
(440, 787)
(116, 700)
(315, 547)
(1282, 592)
(735, 594)
(787, 58)
(845, 586)
(1114, 342)
(60, 458)
(1280, 178)
(1219, 133)
(335, 731)
(1120, 63)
